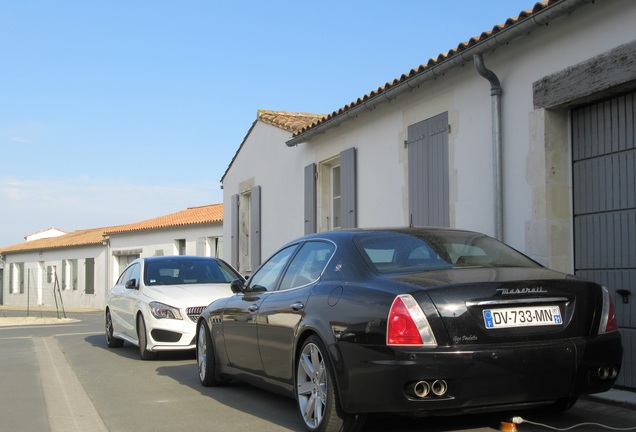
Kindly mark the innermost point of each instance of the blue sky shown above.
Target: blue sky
(114, 112)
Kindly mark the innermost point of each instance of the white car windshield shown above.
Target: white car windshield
(180, 271)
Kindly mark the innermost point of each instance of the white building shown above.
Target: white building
(263, 162)
(525, 132)
(47, 233)
(76, 270)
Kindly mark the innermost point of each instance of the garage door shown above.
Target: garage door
(604, 188)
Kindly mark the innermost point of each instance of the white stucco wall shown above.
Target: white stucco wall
(536, 143)
(266, 161)
(39, 291)
(163, 242)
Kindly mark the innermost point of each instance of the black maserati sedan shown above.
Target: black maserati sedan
(420, 321)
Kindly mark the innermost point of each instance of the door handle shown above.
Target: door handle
(253, 308)
(297, 307)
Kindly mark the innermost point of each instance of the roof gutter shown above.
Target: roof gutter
(490, 43)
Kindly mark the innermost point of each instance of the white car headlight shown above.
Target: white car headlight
(160, 310)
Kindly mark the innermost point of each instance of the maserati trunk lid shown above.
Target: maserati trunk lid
(481, 306)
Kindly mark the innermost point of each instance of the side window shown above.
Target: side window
(123, 277)
(269, 273)
(133, 274)
(307, 265)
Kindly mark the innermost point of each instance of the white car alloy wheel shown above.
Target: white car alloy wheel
(111, 340)
(143, 340)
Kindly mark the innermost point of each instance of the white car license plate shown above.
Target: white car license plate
(522, 316)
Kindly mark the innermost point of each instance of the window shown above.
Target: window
(186, 271)
(69, 276)
(401, 252)
(307, 265)
(89, 275)
(17, 278)
(51, 271)
(134, 273)
(180, 245)
(335, 197)
(124, 260)
(246, 228)
(123, 277)
(209, 246)
(269, 273)
(330, 193)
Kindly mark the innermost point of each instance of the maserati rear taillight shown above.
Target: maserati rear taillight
(608, 314)
(407, 324)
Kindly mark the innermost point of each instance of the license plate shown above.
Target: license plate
(522, 317)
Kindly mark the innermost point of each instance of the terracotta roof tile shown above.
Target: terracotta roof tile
(86, 237)
(190, 216)
(289, 121)
(432, 62)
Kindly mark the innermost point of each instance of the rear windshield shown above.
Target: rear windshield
(400, 252)
(178, 272)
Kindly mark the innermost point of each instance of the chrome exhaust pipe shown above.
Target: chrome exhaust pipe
(439, 387)
(607, 372)
(419, 389)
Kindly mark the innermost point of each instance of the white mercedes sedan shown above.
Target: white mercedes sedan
(156, 301)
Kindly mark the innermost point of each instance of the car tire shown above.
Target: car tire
(111, 340)
(206, 358)
(317, 394)
(562, 405)
(142, 337)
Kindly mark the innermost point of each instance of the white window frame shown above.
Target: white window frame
(327, 218)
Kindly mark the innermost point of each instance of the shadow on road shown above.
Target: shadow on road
(131, 351)
(282, 410)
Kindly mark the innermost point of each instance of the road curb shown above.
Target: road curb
(617, 397)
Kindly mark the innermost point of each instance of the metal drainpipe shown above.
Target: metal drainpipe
(106, 242)
(495, 93)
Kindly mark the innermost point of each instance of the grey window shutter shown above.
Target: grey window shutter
(428, 172)
(348, 188)
(255, 228)
(310, 199)
(234, 227)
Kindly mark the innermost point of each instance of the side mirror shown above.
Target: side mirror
(131, 284)
(237, 286)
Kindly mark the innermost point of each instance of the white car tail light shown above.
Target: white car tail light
(608, 315)
(407, 324)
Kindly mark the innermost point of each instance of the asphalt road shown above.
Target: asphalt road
(62, 377)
